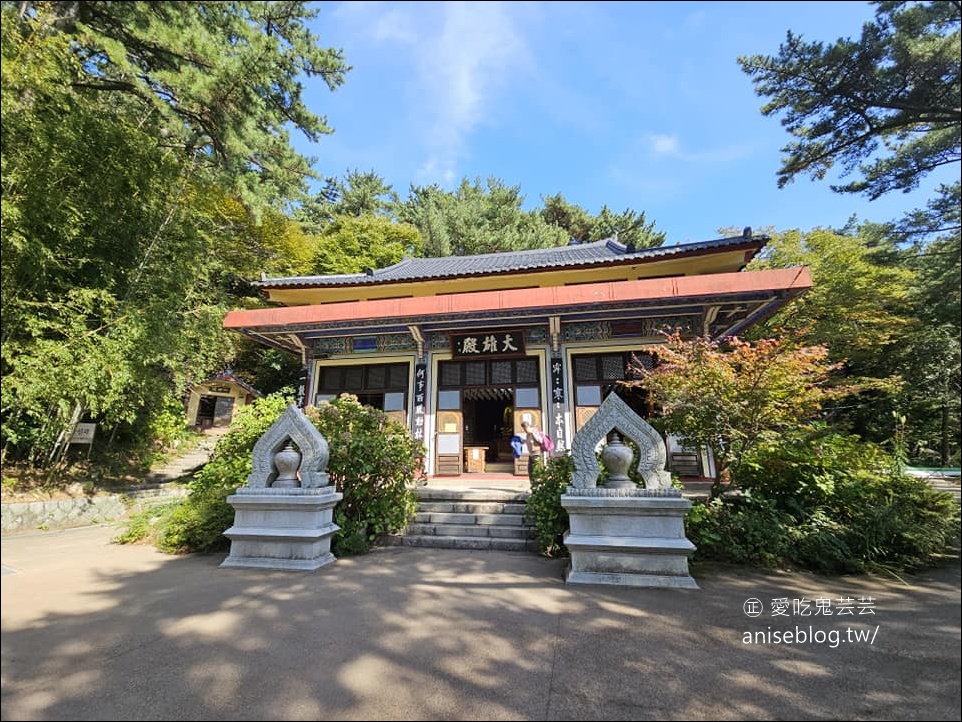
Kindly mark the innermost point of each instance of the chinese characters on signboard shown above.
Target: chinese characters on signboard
(558, 402)
(301, 388)
(488, 344)
(420, 394)
(83, 434)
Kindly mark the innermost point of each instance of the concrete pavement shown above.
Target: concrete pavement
(95, 630)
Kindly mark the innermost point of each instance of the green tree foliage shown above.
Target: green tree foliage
(269, 370)
(930, 398)
(872, 307)
(886, 106)
(489, 218)
(476, 218)
(427, 208)
(130, 134)
(248, 244)
(359, 194)
(732, 398)
(351, 244)
(219, 82)
(858, 306)
(630, 227)
(940, 280)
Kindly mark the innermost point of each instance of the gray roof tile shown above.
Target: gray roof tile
(574, 256)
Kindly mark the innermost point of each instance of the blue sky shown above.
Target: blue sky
(637, 105)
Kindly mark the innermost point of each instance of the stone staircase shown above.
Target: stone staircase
(187, 462)
(468, 519)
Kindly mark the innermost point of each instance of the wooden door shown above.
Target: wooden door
(223, 410)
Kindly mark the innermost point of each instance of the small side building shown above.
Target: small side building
(214, 401)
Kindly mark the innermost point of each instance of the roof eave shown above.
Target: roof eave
(752, 245)
(779, 285)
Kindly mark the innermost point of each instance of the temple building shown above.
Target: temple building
(462, 349)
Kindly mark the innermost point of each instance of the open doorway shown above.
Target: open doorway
(205, 411)
(488, 423)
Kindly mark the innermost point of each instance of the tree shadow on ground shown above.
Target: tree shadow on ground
(93, 630)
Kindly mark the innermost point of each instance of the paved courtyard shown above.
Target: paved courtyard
(95, 630)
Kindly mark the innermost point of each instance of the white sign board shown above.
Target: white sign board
(83, 434)
(449, 443)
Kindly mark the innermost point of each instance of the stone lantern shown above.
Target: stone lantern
(283, 517)
(621, 534)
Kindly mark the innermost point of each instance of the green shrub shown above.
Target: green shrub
(147, 524)
(744, 530)
(800, 471)
(374, 463)
(821, 544)
(198, 524)
(831, 504)
(543, 509)
(895, 521)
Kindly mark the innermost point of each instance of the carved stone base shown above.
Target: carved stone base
(282, 528)
(627, 538)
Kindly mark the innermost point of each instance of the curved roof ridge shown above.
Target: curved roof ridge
(405, 260)
(606, 250)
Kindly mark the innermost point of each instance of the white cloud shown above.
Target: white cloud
(659, 168)
(395, 25)
(463, 55)
(463, 68)
(669, 144)
(663, 144)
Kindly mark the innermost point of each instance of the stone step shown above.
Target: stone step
(459, 542)
(426, 493)
(952, 489)
(187, 463)
(468, 519)
(471, 507)
(422, 517)
(469, 530)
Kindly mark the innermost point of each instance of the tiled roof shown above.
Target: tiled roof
(228, 376)
(574, 256)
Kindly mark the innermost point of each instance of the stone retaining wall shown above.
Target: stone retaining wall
(83, 511)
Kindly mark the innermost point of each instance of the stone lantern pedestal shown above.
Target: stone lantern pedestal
(283, 518)
(628, 537)
(621, 534)
(282, 528)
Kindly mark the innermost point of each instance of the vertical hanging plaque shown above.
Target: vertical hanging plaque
(558, 402)
(420, 397)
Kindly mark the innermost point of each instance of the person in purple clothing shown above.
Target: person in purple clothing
(534, 444)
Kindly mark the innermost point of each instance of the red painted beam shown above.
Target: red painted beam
(796, 280)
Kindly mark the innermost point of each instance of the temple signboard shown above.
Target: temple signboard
(488, 344)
